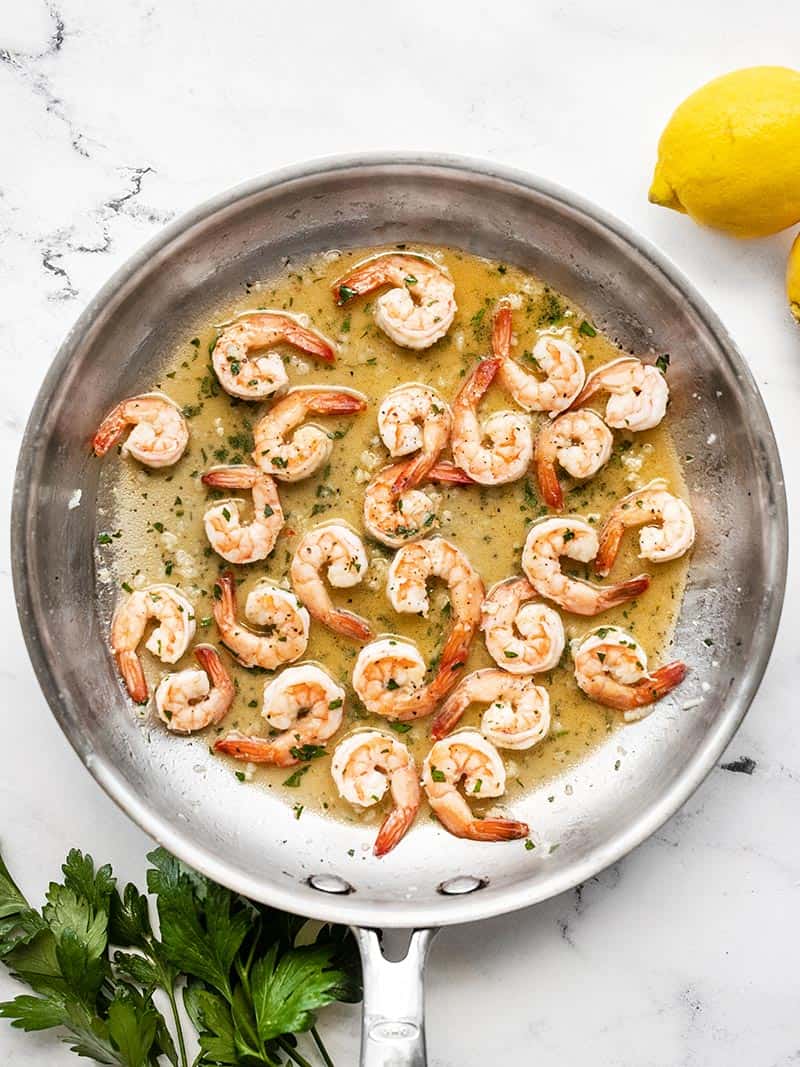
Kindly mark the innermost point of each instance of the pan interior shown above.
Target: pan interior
(250, 840)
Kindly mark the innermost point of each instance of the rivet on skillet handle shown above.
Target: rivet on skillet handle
(393, 1019)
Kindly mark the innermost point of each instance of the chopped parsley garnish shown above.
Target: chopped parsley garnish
(345, 294)
(307, 752)
(293, 781)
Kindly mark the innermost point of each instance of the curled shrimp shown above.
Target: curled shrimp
(499, 449)
(469, 756)
(639, 393)
(420, 306)
(667, 526)
(159, 436)
(406, 586)
(558, 361)
(550, 539)
(240, 358)
(232, 539)
(386, 672)
(414, 418)
(580, 442)
(305, 704)
(611, 668)
(517, 715)
(522, 635)
(286, 623)
(290, 459)
(188, 701)
(363, 766)
(340, 550)
(169, 640)
(394, 519)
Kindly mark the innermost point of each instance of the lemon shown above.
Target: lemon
(793, 278)
(730, 155)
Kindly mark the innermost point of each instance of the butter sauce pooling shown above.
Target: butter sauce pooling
(160, 512)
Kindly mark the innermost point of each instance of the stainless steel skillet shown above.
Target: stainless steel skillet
(243, 837)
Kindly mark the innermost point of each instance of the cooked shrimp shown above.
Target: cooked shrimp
(666, 521)
(363, 766)
(340, 550)
(285, 620)
(518, 712)
(169, 640)
(387, 671)
(395, 520)
(414, 418)
(550, 539)
(523, 636)
(470, 756)
(494, 452)
(639, 393)
(187, 701)
(419, 307)
(232, 539)
(406, 586)
(242, 364)
(558, 361)
(159, 436)
(309, 447)
(580, 442)
(611, 668)
(305, 703)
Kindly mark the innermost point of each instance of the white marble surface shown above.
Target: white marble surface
(118, 116)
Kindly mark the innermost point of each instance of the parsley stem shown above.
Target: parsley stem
(174, 1008)
(292, 1052)
(320, 1045)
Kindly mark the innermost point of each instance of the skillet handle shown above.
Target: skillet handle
(393, 1018)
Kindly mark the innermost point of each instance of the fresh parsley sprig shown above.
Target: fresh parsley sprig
(252, 978)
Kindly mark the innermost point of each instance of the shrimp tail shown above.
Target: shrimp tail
(501, 331)
(481, 378)
(332, 403)
(130, 667)
(254, 750)
(591, 387)
(394, 828)
(362, 280)
(447, 717)
(613, 595)
(238, 477)
(348, 624)
(450, 474)
(549, 485)
(665, 678)
(109, 431)
(225, 605)
(495, 830)
(451, 665)
(413, 473)
(211, 662)
(310, 343)
(233, 477)
(610, 538)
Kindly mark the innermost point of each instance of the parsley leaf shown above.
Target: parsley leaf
(287, 991)
(93, 961)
